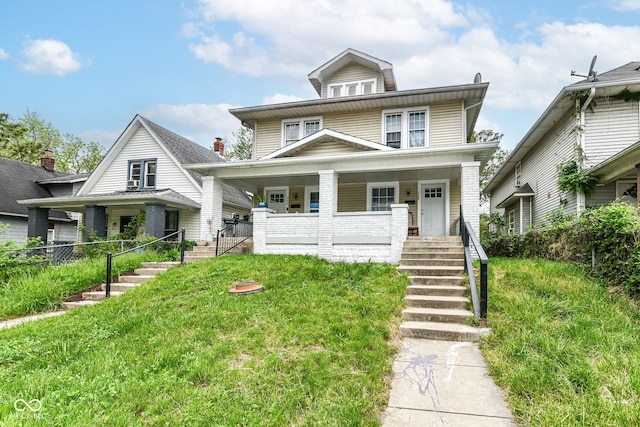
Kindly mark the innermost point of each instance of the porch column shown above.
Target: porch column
(38, 223)
(211, 206)
(260, 229)
(470, 189)
(96, 220)
(328, 188)
(399, 226)
(154, 219)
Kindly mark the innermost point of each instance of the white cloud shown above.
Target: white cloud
(279, 98)
(625, 5)
(106, 138)
(431, 43)
(201, 123)
(49, 56)
(3, 54)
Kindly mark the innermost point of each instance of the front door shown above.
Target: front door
(276, 200)
(433, 212)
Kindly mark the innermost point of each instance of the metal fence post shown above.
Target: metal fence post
(108, 282)
(182, 246)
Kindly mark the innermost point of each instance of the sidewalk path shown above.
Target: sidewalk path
(444, 383)
(13, 322)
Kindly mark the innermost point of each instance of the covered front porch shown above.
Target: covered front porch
(357, 206)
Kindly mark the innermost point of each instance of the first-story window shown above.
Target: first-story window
(512, 222)
(141, 174)
(380, 196)
(294, 130)
(170, 222)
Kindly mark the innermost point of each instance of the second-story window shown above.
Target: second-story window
(407, 128)
(518, 173)
(141, 174)
(295, 129)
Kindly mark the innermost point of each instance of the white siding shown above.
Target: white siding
(17, 229)
(143, 146)
(445, 124)
(612, 126)
(539, 170)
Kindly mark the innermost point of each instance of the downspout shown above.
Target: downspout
(580, 198)
(464, 117)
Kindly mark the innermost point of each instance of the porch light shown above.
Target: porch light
(244, 288)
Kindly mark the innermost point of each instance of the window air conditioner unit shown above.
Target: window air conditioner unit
(133, 183)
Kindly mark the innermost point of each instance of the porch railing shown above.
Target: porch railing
(469, 237)
(237, 231)
(111, 256)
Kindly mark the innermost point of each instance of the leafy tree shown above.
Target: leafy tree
(27, 139)
(494, 163)
(241, 149)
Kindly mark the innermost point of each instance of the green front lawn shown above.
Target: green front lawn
(313, 349)
(566, 350)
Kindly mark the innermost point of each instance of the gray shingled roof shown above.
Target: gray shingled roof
(628, 71)
(189, 152)
(19, 182)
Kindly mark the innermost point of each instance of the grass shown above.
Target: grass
(315, 348)
(40, 289)
(565, 350)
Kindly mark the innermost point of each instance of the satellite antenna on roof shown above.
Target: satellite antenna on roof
(591, 75)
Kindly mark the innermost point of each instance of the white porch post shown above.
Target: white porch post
(260, 230)
(470, 183)
(399, 228)
(328, 189)
(211, 205)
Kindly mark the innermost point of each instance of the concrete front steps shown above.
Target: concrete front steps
(436, 302)
(122, 284)
(209, 250)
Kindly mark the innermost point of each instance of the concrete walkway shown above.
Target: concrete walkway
(444, 383)
(13, 322)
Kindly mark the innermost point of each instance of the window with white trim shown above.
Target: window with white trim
(518, 173)
(362, 87)
(511, 222)
(141, 174)
(294, 130)
(406, 128)
(380, 196)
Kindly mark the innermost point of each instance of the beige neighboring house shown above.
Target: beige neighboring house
(143, 172)
(344, 175)
(599, 117)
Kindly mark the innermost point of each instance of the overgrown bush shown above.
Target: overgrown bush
(608, 235)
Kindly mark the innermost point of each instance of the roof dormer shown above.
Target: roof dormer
(353, 73)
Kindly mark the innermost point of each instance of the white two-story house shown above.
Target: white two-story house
(594, 122)
(344, 175)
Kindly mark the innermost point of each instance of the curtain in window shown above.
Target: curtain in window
(417, 126)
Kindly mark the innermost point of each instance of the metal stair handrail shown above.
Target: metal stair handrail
(233, 234)
(468, 235)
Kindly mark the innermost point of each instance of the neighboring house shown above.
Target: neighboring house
(598, 118)
(22, 181)
(344, 175)
(143, 172)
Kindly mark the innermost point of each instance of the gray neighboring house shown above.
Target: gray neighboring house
(24, 181)
(600, 117)
(143, 172)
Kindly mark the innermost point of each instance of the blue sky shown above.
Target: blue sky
(89, 67)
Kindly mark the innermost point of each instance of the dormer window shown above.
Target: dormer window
(363, 87)
(141, 174)
(294, 130)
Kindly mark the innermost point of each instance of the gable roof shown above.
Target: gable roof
(323, 136)
(522, 191)
(20, 181)
(610, 83)
(182, 150)
(320, 74)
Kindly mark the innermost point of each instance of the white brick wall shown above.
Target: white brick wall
(471, 194)
(211, 208)
(354, 236)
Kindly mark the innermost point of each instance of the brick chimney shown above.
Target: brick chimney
(48, 162)
(218, 146)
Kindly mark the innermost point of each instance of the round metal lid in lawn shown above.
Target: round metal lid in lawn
(244, 288)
